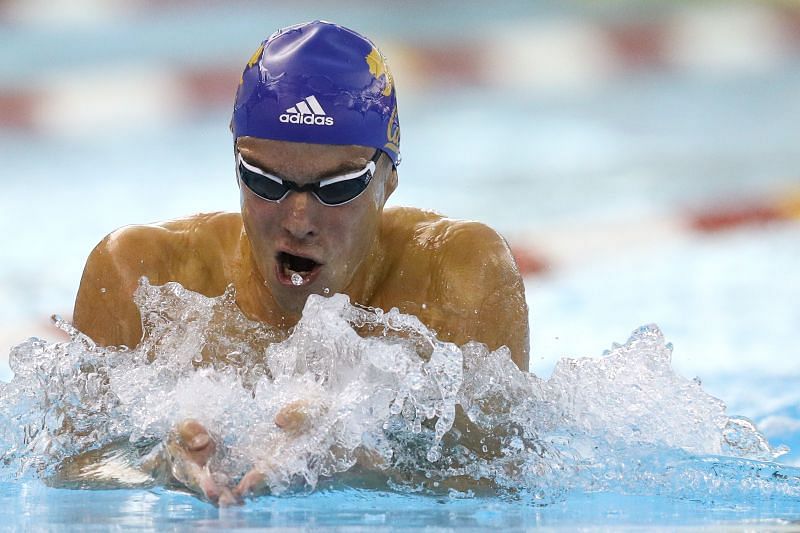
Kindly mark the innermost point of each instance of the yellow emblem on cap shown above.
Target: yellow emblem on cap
(378, 67)
(255, 58)
(393, 132)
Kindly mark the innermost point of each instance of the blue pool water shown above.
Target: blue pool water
(650, 145)
(601, 435)
(37, 507)
(728, 303)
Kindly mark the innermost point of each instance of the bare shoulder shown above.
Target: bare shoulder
(199, 227)
(472, 261)
(160, 250)
(472, 285)
(189, 250)
(468, 240)
(431, 230)
(448, 241)
(202, 225)
(402, 221)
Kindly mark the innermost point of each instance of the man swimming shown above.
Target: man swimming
(316, 148)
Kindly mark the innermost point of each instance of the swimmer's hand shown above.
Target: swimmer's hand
(293, 418)
(296, 416)
(187, 454)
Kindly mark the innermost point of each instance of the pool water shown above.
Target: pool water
(657, 144)
(41, 508)
(613, 431)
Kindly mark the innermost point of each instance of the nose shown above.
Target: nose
(300, 215)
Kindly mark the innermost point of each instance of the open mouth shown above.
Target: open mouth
(295, 270)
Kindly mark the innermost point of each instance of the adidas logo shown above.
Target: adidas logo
(307, 111)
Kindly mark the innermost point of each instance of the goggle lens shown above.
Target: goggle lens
(262, 186)
(329, 191)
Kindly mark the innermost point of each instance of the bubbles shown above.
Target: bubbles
(297, 279)
(434, 454)
(422, 413)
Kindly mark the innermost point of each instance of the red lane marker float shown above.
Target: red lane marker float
(446, 62)
(17, 109)
(639, 45)
(528, 262)
(210, 86)
(532, 261)
(732, 217)
(729, 217)
(789, 17)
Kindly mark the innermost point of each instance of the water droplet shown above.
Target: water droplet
(297, 279)
(396, 407)
(326, 290)
(424, 306)
(434, 454)
(103, 290)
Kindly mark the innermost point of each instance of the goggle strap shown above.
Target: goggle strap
(352, 175)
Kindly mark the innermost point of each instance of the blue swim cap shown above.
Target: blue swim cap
(318, 83)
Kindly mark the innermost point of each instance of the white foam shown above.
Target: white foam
(380, 390)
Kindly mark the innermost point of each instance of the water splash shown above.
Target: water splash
(384, 397)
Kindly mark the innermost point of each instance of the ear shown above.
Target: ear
(390, 185)
(236, 170)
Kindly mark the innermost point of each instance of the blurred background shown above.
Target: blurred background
(642, 158)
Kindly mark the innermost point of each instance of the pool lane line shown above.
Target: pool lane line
(528, 54)
(569, 246)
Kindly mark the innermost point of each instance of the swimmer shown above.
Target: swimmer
(316, 146)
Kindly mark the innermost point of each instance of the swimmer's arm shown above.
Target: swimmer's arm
(182, 460)
(104, 308)
(481, 292)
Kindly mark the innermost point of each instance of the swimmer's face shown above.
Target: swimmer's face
(300, 245)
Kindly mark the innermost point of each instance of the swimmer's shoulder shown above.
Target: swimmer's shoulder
(466, 274)
(166, 249)
(441, 237)
(401, 224)
(219, 226)
(219, 222)
(197, 251)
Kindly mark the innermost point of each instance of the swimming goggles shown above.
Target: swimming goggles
(336, 190)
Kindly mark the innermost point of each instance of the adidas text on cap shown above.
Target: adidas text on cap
(307, 111)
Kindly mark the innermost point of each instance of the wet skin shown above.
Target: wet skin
(457, 276)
